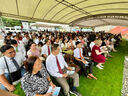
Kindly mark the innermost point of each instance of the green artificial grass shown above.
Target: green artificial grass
(109, 81)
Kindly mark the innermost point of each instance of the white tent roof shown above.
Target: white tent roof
(66, 11)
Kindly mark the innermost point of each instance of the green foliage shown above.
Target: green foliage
(19, 91)
(11, 22)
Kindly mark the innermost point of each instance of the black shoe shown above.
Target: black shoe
(75, 93)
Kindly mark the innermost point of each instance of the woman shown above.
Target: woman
(66, 48)
(97, 54)
(36, 80)
(110, 45)
(33, 51)
(64, 45)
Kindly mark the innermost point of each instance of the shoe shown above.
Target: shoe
(110, 56)
(75, 93)
(99, 67)
(93, 76)
(68, 94)
(89, 77)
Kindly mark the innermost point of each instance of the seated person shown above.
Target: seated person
(39, 46)
(70, 44)
(65, 48)
(33, 51)
(110, 45)
(17, 47)
(11, 67)
(46, 49)
(97, 54)
(36, 80)
(104, 48)
(78, 54)
(57, 67)
(64, 45)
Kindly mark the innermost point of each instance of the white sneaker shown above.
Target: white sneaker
(68, 94)
(99, 67)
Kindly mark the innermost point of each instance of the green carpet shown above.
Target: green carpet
(109, 81)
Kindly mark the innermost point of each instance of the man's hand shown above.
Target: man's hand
(69, 68)
(11, 88)
(65, 75)
(84, 62)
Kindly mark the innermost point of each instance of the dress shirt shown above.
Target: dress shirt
(77, 52)
(91, 45)
(36, 40)
(20, 48)
(74, 43)
(45, 49)
(25, 41)
(52, 67)
(19, 58)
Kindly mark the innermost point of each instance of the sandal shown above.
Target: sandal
(93, 76)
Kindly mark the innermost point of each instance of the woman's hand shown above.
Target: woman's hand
(48, 94)
(53, 85)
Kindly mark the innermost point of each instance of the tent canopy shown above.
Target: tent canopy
(73, 12)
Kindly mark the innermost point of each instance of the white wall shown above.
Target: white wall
(104, 28)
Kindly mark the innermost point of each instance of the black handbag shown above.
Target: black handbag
(14, 76)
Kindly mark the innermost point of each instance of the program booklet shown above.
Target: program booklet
(55, 90)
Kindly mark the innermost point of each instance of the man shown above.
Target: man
(46, 49)
(25, 40)
(20, 45)
(57, 41)
(57, 67)
(17, 48)
(11, 67)
(84, 63)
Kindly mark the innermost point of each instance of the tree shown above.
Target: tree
(11, 22)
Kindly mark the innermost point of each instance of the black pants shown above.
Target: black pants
(84, 68)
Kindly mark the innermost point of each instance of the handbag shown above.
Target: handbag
(14, 76)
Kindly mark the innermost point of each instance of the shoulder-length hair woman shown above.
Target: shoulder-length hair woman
(36, 80)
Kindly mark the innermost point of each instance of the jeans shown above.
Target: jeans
(8, 78)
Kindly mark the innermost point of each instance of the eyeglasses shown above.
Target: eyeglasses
(12, 52)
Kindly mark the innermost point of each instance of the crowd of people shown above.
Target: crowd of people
(38, 57)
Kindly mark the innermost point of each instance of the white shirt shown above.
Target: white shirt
(44, 49)
(91, 45)
(21, 49)
(19, 58)
(64, 45)
(25, 41)
(52, 65)
(43, 41)
(74, 43)
(70, 44)
(77, 52)
(36, 40)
